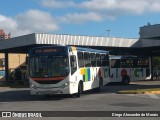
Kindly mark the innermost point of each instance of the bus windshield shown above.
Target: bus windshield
(49, 66)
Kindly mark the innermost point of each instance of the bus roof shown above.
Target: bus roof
(115, 57)
(127, 57)
(70, 47)
(91, 50)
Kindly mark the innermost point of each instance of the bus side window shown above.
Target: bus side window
(144, 63)
(105, 60)
(87, 60)
(115, 63)
(98, 58)
(135, 63)
(125, 63)
(93, 60)
(73, 63)
(80, 59)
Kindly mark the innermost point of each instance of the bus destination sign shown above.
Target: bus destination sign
(49, 50)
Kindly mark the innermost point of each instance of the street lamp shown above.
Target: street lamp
(108, 31)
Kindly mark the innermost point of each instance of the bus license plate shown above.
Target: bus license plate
(48, 92)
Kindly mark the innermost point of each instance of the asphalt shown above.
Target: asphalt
(143, 84)
(19, 99)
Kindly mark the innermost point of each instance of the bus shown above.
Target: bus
(67, 70)
(129, 68)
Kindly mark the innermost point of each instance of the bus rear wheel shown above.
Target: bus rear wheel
(100, 86)
(125, 80)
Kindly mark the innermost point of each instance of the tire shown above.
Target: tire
(47, 96)
(80, 89)
(125, 80)
(99, 89)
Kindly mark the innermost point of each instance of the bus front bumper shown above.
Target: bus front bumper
(49, 91)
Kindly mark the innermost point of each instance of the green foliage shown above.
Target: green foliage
(156, 62)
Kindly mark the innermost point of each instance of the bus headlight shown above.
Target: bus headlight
(65, 85)
(33, 86)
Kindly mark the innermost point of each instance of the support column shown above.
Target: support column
(152, 74)
(6, 66)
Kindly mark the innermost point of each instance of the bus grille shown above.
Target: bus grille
(47, 81)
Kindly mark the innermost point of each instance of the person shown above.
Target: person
(24, 76)
(11, 76)
(18, 74)
(157, 75)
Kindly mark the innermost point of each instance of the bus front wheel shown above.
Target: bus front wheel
(80, 89)
(125, 80)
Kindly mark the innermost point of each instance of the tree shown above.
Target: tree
(156, 62)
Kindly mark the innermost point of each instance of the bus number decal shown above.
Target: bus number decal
(105, 72)
(97, 73)
(86, 73)
(123, 72)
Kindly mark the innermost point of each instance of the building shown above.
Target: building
(3, 35)
(150, 35)
(15, 60)
(150, 32)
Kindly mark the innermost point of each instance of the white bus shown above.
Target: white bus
(129, 68)
(67, 70)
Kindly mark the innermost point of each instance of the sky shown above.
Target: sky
(116, 18)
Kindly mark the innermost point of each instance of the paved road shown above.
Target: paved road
(20, 100)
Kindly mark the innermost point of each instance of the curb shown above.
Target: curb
(152, 92)
(2, 88)
(143, 92)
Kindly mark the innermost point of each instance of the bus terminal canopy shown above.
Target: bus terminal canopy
(23, 44)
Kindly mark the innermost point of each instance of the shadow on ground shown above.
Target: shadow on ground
(24, 94)
(115, 87)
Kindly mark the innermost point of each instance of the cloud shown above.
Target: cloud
(80, 17)
(8, 24)
(58, 3)
(134, 6)
(36, 20)
(116, 7)
(31, 21)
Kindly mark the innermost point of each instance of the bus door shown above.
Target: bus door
(115, 70)
(144, 63)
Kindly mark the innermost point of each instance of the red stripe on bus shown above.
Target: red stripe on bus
(55, 78)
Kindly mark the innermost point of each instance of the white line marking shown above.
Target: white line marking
(154, 96)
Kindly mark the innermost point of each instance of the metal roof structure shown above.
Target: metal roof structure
(22, 44)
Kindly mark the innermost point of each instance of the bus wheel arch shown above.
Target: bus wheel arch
(125, 80)
(98, 89)
(80, 89)
(101, 82)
